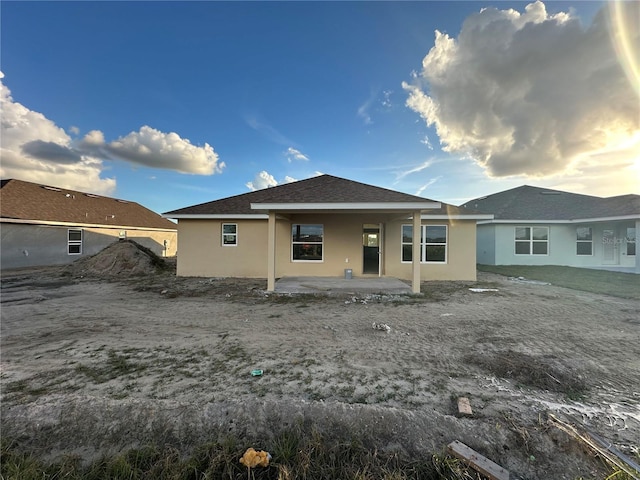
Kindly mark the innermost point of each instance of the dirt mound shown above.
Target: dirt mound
(121, 258)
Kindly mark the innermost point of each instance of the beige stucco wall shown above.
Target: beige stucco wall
(461, 252)
(201, 253)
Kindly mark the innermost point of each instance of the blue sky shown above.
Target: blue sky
(172, 104)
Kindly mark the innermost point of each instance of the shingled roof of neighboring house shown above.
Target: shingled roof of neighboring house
(26, 201)
(536, 203)
(322, 189)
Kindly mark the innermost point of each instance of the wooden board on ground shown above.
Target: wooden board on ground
(479, 462)
(464, 406)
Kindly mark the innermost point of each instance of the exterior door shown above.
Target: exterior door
(609, 247)
(371, 249)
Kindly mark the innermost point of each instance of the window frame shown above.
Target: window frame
(531, 241)
(580, 241)
(234, 235)
(74, 243)
(298, 242)
(629, 243)
(424, 244)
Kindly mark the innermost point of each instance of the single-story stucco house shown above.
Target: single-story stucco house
(541, 226)
(323, 226)
(45, 225)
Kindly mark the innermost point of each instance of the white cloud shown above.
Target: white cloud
(294, 154)
(262, 180)
(386, 101)
(153, 148)
(419, 168)
(288, 179)
(35, 149)
(527, 93)
(363, 110)
(427, 185)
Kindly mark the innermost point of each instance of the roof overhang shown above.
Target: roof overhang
(219, 216)
(83, 225)
(572, 220)
(427, 216)
(347, 207)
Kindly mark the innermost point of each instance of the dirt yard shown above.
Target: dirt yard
(93, 366)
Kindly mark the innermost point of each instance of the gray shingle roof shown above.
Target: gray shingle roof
(536, 203)
(321, 189)
(31, 201)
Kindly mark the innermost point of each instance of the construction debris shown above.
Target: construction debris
(464, 406)
(478, 462)
(603, 448)
(381, 326)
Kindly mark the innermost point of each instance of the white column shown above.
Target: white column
(415, 255)
(271, 253)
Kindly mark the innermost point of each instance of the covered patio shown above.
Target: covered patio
(341, 285)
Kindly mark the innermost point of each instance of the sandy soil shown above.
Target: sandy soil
(92, 366)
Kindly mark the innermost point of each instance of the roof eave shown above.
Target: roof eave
(347, 206)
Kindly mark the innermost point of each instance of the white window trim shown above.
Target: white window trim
(234, 234)
(530, 241)
(311, 243)
(584, 241)
(75, 242)
(423, 245)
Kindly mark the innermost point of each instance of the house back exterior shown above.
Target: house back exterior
(541, 226)
(323, 226)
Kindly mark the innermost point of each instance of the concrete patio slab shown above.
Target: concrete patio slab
(339, 285)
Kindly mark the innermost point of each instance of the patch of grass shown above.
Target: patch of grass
(616, 284)
(116, 365)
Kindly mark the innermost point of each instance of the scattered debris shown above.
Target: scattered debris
(478, 462)
(381, 326)
(255, 458)
(256, 372)
(464, 406)
(480, 290)
(446, 314)
(525, 280)
(604, 448)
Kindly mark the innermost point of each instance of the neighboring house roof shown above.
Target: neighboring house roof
(27, 202)
(321, 191)
(536, 203)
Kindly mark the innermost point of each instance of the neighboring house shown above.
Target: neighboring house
(45, 225)
(540, 226)
(322, 226)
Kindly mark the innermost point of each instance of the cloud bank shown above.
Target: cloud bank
(265, 180)
(35, 149)
(527, 93)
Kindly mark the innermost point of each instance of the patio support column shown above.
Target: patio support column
(271, 253)
(415, 252)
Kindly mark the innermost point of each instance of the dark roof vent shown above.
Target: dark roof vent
(550, 192)
(53, 189)
(121, 201)
(91, 195)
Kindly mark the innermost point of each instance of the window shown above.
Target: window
(229, 234)
(584, 241)
(306, 242)
(532, 241)
(433, 243)
(74, 242)
(631, 241)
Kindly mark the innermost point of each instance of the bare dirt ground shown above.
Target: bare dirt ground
(92, 366)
